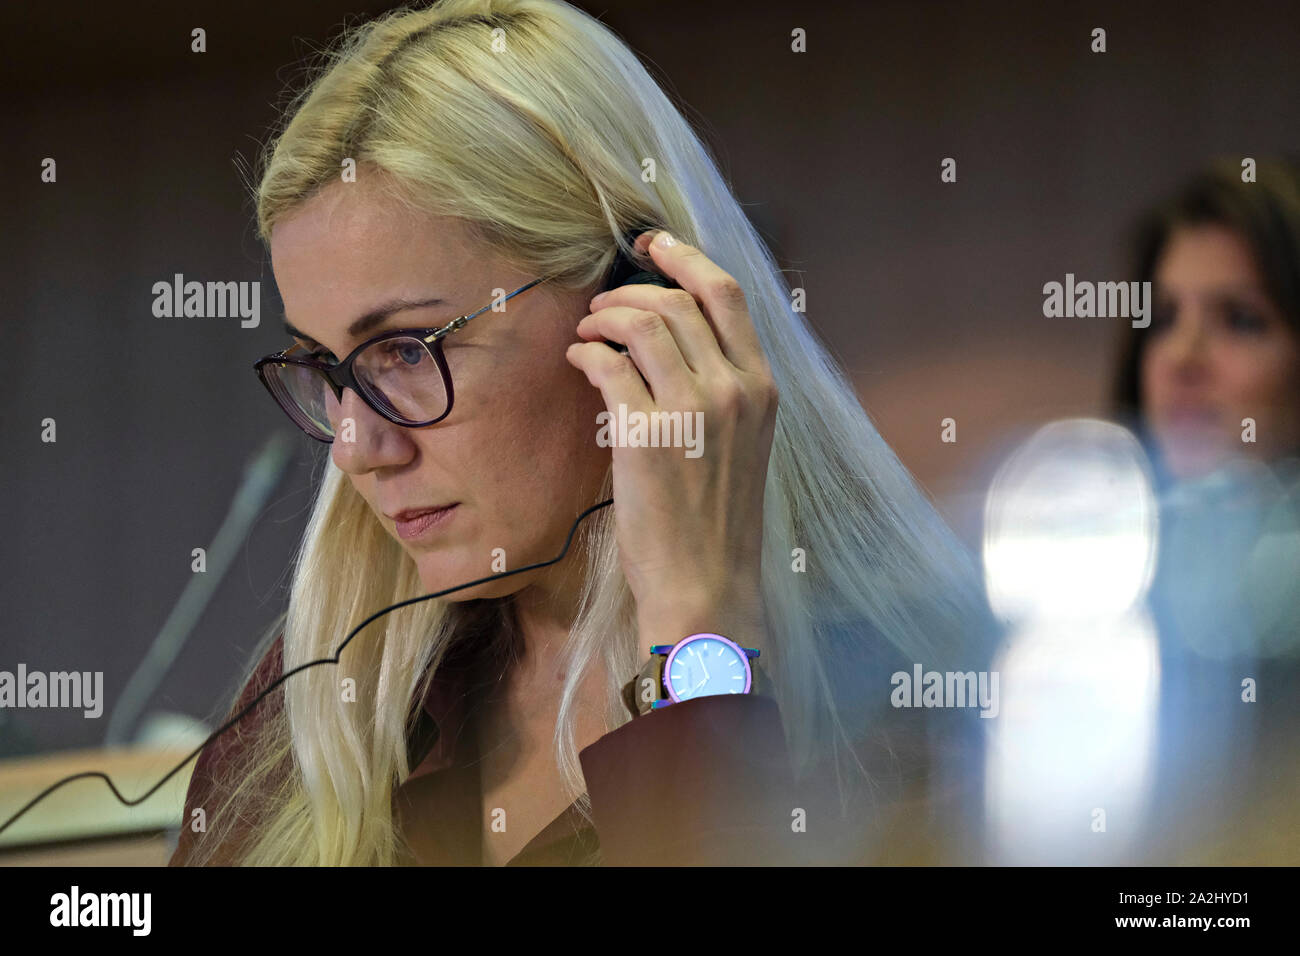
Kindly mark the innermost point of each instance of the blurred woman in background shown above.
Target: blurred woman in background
(1223, 347)
(1212, 387)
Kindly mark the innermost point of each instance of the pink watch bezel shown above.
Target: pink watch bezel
(690, 639)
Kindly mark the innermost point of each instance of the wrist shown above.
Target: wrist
(743, 622)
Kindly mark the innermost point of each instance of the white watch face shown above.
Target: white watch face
(705, 665)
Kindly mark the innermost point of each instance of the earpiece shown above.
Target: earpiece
(628, 271)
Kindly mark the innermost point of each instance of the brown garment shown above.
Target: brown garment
(684, 784)
(702, 782)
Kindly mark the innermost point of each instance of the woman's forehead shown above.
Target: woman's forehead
(353, 220)
(353, 255)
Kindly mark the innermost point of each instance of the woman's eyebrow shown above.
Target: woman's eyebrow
(372, 318)
(1250, 292)
(298, 335)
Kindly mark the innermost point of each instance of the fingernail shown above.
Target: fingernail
(664, 240)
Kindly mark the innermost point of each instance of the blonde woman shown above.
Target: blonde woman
(494, 153)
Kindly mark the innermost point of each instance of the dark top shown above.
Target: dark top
(706, 781)
(702, 781)
(678, 785)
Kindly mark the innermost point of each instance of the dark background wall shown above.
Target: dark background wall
(929, 293)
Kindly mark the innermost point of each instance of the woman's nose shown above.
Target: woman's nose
(364, 439)
(1188, 339)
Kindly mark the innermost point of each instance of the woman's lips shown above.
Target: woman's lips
(412, 525)
(1193, 415)
(1191, 420)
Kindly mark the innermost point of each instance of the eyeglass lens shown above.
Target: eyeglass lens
(399, 376)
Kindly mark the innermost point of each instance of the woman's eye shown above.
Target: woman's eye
(1162, 316)
(1241, 319)
(406, 351)
(323, 356)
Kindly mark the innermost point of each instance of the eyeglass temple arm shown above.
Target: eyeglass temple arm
(458, 323)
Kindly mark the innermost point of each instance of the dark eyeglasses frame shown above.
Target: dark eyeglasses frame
(340, 376)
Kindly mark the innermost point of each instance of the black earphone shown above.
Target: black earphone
(628, 271)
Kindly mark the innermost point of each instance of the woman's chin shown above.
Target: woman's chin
(438, 576)
(1189, 462)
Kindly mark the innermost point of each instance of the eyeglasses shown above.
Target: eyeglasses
(401, 374)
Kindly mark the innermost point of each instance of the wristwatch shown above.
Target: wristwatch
(699, 665)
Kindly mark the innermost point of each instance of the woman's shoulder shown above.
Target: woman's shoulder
(269, 668)
(216, 769)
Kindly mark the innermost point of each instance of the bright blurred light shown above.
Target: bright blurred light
(1070, 525)
(1076, 735)
(1069, 553)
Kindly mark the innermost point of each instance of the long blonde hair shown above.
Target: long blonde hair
(533, 123)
